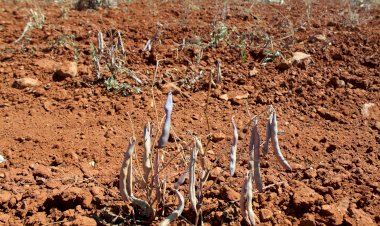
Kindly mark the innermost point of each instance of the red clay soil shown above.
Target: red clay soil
(64, 134)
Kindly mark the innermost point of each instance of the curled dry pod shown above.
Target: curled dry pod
(177, 212)
(166, 127)
(233, 148)
(275, 144)
(126, 181)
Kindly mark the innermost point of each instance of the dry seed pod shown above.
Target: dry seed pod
(243, 199)
(192, 180)
(166, 127)
(275, 144)
(177, 212)
(251, 214)
(120, 42)
(233, 148)
(100, 42)
(256, 148)
(267, 135)
(147, 158)
(125, 177)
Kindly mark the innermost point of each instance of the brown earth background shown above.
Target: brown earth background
(64, 135)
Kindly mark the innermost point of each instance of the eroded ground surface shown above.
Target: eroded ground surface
(64, 137)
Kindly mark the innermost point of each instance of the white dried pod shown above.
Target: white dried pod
(177, 212)
(243, 199)
(233, 147)
(120, 42)
(256, 148)
(275, 144)
(166, 127)
(147, 157)
(251, 214)
(267, 135)
(125, 177)
(100, 42)
(192, 179)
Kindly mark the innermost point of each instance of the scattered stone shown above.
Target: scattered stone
(308, 220)
(318, 37)
(218, 137)
(4, 218)
(67, 69)
(241, 96)
(5, 196)
(2, 159)
(223, 97)
(41, 171)
(304, 197)
(360, 217)
(83, 220)
(376, 126)
(299, 56)
(48, 106)
(365, 109)
(230, 194)
(253, 72)
(336, 82)
(335, 212)
(265, 214)
(25, 82)
(38, 218)
(215, 173)
(170, 87)
(310, 173)
(329, 114)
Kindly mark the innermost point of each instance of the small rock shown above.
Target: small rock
(253, 72)
(230, 194)
(215, 173)
(223, 97)
(329, 114)
(299, 56)
(4, 218)
(97, 191)
(218, 137)
(48, 106)
(41, 171)
(25, 82)
(265, 214)
(377, 126)
(170, 87)
(2, 159)
(5, 196)
(242, 96)
(365, 109)
(310, 173)
(318, 37)
(336, 212)
(308, 220)
(304, 197)
(38, 218)
(83, 220)
(67, 69)
(361, 217)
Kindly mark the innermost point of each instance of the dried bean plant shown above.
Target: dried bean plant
(254, 172)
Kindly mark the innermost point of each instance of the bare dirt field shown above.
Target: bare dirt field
(65, 126)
